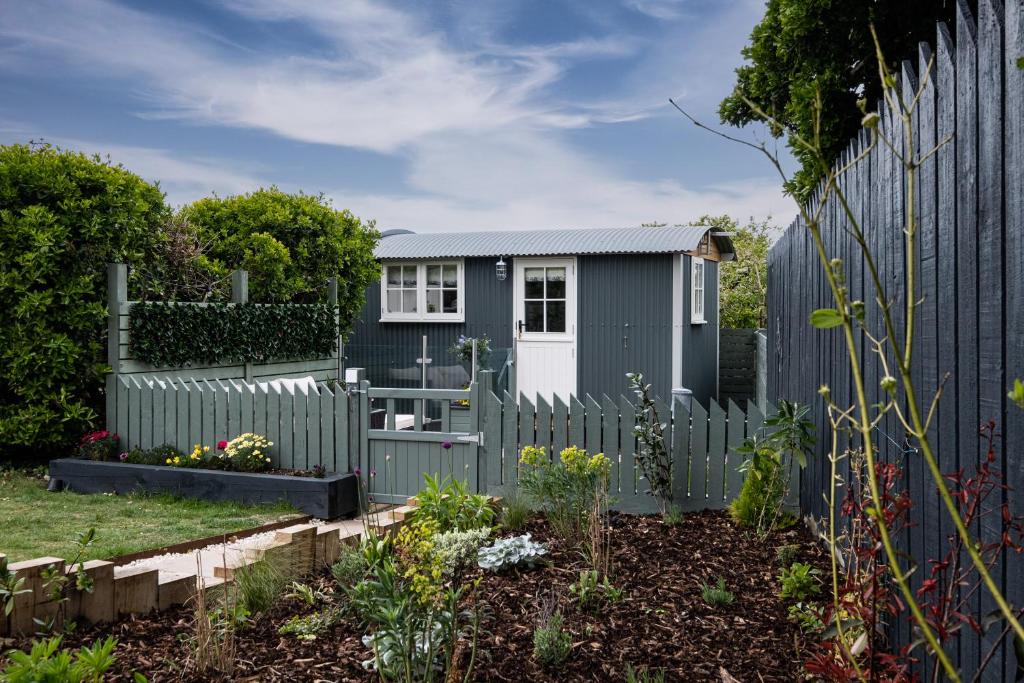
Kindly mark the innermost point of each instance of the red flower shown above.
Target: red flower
(222, 444)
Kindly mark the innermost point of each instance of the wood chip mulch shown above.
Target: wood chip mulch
(660, 623)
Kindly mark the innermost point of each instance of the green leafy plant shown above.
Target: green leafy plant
(743, 281)
(99, 445)
(799, 581)
(458, 549)
(10, 587)
(787, 554)
(451, 506)
(673, 516)
(152, 456)
(305, 593)
(786, 436)
(511, 552)
(564, 489)
(63, 217)
(514, 512)
(551, 642)
(173, 334)
(309, 626)
(349, 568)
(644, 675)
(45, 662)
(463, 349)
(589, 590)
(809, 617)
(261, 584)
(717, 595)
(652, 452)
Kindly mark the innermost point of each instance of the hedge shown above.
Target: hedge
(178, 334)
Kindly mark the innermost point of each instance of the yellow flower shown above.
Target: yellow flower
(168, 461)
(206, 449)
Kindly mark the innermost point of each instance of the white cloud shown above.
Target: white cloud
(478, 124)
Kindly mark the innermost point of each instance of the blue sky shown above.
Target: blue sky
(454, 115)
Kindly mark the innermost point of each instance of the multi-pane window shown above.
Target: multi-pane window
(422, 291)
(544, 299)
(697, 291)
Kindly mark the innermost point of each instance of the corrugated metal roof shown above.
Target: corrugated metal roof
(664, 240)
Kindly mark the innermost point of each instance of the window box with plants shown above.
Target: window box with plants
(237, 470)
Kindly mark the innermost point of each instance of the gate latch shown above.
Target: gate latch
(477, 438)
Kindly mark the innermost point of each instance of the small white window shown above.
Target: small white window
(422, 291)
(697, 291)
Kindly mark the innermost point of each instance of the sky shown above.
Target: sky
(429, 116)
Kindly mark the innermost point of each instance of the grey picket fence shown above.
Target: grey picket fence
(470, 434)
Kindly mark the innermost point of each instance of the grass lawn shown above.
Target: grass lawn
(37, 523)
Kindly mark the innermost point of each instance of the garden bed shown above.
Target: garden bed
(329, 497)
(661, 622)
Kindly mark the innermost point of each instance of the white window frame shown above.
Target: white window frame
(698, 290)
(421, 314)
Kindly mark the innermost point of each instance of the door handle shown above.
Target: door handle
(519, 328)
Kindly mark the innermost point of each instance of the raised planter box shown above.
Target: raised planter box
(333, 496)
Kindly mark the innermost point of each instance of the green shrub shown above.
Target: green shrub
(291, 244)
(787, 554)
(564, 489)
(799, 581)
(673, 516)
(717, 595)
(644, 675)
(786, 437)
(350, 567)
(451, 506)
(63, 217)
(458, 549)
(551, 642)
(260, 585)
(514, 512)
(45, 662)
(153, 456)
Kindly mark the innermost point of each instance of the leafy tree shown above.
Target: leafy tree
(805, 47)
(290, 243)
(744, 280)
(63, 217)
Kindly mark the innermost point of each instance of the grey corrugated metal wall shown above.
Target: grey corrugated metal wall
(613, 291)
(700, 342)
(488, 311)
(624, 322)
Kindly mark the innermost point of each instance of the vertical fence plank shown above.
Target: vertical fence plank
(627, 456)
(312, 448)
(220, 413)
(733, 460)
(716, 455)
(170, 412)
(159, 390)
(209, 429)
(253, 418)
(527, 422)
(341, 455)
(181, 442)
(123, 397)
(493, 442)
(327, 428)
(697, 499)
(300, 406)
(287, 426)
(134, 407)
(195, 415)
(544, 425)
(509, 441)
(593, 423)
(610, 440)
(559, 423)
(234, 409)
(577, 423)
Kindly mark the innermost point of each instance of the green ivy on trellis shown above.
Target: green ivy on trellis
(173, 334)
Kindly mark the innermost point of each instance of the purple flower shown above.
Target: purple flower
(373, 472)
(359, 472)
(446, 445)
(123, 456)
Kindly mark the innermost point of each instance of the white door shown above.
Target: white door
(545, 327)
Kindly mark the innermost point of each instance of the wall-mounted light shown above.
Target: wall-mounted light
(500, 269)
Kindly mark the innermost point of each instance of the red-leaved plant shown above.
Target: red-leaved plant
(854, 646)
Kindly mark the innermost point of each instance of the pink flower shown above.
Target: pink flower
(222, 444)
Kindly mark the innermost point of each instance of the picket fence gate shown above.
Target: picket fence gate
(355, 428)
